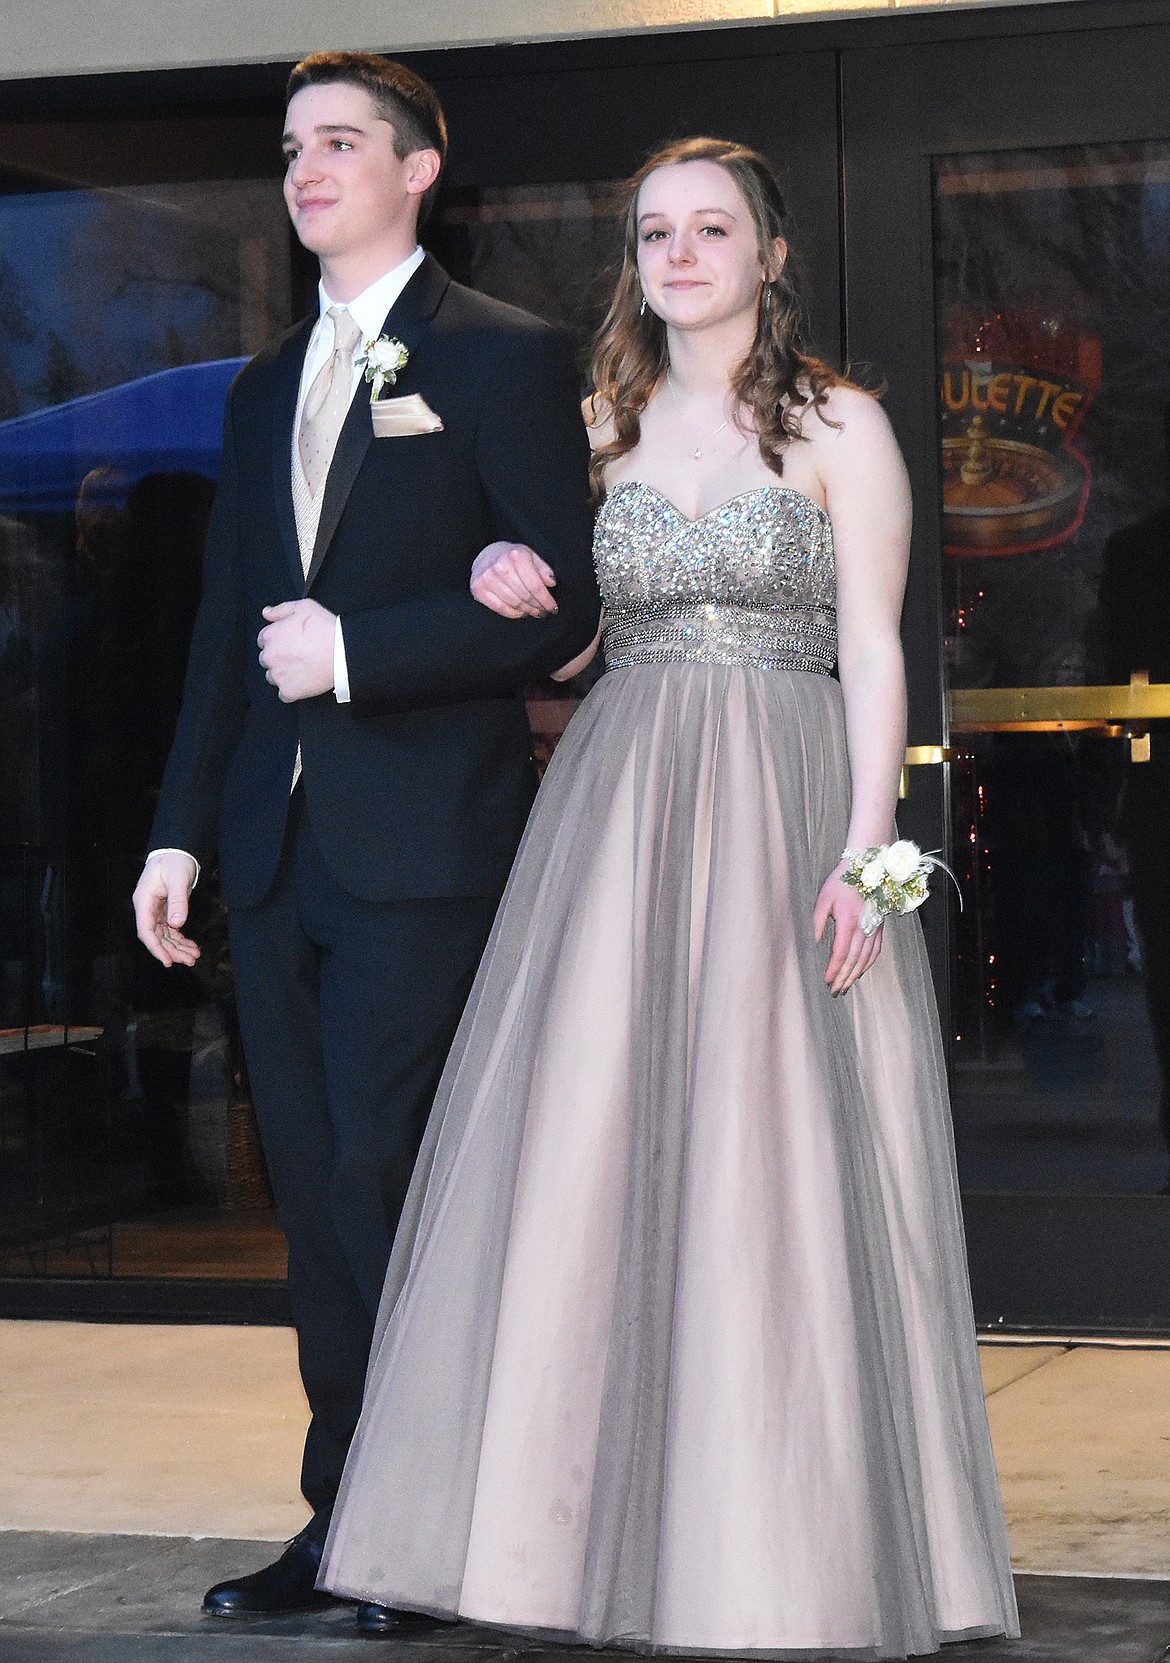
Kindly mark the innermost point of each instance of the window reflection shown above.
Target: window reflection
(128, 1142)
(1053, 300)
(1134, 601)
(554, 250)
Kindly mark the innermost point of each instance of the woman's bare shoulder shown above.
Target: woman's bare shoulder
(848, 427)
(844, 404)
(598, 420)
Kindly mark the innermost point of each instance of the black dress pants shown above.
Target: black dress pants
(347, 1009)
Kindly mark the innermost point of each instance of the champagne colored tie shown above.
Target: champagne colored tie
(328, 401)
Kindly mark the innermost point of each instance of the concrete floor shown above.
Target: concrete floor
(142, 1464)
(135, 1599)
(197, 1431)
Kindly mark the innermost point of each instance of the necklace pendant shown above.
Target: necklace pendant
(697, 454)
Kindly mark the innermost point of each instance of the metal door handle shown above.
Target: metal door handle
(923, 756)
(1121, 712)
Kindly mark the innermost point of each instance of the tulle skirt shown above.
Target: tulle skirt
(676, 1349)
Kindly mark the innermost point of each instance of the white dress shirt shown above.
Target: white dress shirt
(368, 311)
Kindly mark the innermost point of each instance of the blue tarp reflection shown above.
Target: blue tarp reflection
(168, 422)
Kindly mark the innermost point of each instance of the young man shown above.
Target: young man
(351, 740)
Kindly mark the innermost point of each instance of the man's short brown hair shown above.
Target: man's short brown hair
(403, 99)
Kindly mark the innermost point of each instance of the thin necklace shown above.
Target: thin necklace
(697, 453)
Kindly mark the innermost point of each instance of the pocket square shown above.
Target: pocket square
(396, 418)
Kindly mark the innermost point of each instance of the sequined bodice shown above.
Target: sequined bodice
(751, 583)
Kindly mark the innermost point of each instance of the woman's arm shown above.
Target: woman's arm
(576, 665)
(868, 498)
(512, 579)
(439, 647)
(509, 578)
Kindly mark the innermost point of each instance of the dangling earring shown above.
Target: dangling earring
(642, 308)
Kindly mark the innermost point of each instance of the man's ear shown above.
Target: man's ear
(425, 166)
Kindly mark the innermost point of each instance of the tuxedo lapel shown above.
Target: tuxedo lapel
(408, 320)
(287, 373)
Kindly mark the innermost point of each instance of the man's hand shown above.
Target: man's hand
(509, 578)
(296, 649)
(160, 908)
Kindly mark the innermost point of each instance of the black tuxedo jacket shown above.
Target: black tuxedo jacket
(421, 785)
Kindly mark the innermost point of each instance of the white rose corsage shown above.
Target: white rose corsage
(380, 363)
(891, 877)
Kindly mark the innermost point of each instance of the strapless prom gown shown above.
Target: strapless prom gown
(676, 1349)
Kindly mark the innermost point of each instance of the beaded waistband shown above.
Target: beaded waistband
(761, 638)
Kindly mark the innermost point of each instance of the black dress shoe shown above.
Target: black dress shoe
(287, 1585)
(384, 1619)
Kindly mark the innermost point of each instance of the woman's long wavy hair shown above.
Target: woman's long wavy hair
(777, 381)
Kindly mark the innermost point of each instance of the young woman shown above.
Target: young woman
(676, 1348)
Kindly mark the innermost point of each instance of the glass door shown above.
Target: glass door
(137, 279)
(1052, 291)
(1037, 624)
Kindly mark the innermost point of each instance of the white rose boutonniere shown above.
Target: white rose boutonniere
(891, 877)
(380, 363)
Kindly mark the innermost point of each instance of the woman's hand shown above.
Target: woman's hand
(512, 580)
(853, 952)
